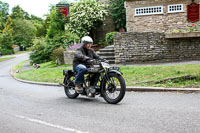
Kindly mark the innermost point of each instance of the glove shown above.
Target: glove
(90, 61)
(87, 58)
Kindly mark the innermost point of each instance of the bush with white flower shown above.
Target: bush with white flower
(86, 15)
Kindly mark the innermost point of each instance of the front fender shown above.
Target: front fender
(115, 71)
(105, 77)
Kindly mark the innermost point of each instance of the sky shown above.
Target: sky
(35, 7)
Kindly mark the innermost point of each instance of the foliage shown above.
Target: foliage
(70, 39)
(4, 9)
(6, 38)
(42, 31)
(109, 37)
(86, 15)
(8, 25)
(1, 22)
(56, 33)
(39, 24)
(56, 23)
(57, 55)
(102, 43)
(18, 13)
(118, 13)
(40, 52)
(24, 31)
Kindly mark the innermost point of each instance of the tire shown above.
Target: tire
(110, 87)
(70, 90)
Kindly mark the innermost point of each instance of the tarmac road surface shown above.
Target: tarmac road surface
(29, 108)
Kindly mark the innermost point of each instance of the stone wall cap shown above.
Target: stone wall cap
(183, 35)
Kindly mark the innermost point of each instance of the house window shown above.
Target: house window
(148, 10)
(175, 8)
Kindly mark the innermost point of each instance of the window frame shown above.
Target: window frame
(176, 11)
(148, 10)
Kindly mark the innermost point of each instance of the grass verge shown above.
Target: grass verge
(134, 75)
(19, 66)
(6, 58)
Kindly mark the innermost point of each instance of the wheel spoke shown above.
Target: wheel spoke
(113, 88)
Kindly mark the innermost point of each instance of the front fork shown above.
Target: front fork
(106, 78)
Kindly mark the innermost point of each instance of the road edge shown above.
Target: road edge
(128, 88)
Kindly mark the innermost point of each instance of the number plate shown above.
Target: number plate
(114, 68)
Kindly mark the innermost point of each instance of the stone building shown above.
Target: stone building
(148, 21)
(157, 15)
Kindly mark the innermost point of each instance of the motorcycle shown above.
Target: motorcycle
(109, 83)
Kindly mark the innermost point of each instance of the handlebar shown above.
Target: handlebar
(95, 61)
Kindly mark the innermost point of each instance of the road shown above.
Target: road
(28, 108)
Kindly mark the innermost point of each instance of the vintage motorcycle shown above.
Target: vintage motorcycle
(110, 84)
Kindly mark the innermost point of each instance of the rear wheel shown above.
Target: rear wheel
(70, 88)
(114, 88)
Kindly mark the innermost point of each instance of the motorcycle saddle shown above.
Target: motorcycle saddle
(69, 72)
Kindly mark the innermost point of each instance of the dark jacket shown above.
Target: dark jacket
(82, 55)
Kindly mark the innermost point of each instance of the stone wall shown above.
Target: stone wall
(148, 46)
(157, 23)
(68, 57)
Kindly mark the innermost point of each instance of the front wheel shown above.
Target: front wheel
(113, 88)
(70, 88)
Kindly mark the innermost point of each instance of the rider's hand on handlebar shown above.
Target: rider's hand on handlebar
(90, 61)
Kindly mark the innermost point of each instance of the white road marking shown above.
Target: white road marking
(49, 124)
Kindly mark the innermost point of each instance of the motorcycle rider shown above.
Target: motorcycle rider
(82, 57)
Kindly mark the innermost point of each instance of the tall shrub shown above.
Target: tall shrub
(24, 31)
(6, 38)
(85, 15)
(118, 13)
(40, 52)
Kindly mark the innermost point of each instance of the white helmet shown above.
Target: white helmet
(86, 39)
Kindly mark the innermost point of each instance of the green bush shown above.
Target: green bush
(7, 51)
(70, 39)
(57, 56)
(109, 37)
(40, 52)
(102, 43)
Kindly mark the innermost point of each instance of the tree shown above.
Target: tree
(1, 22)
(118, 13)
(4, 9)
(8, 25)
(56, 23)
(39, 25)
(24, 31)
(86, 15)
(6, 38)
(18, 13)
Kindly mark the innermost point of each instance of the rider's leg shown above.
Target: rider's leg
(80, 69)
